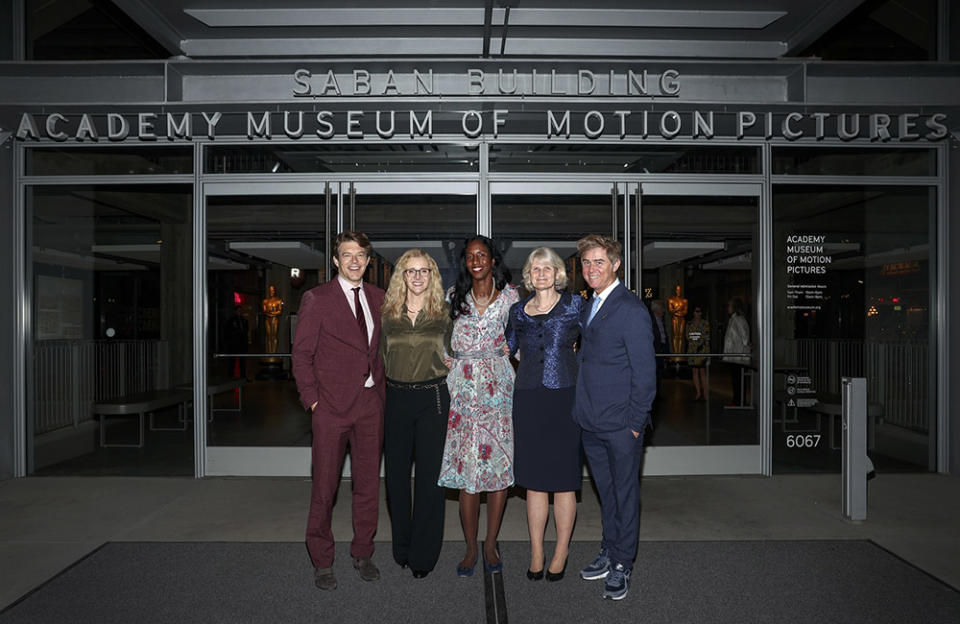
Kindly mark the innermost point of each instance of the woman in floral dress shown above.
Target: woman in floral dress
(478, 454)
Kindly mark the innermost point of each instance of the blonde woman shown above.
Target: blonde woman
(416, 328)
(543, 328)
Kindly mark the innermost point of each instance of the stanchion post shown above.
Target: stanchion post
(854, 448)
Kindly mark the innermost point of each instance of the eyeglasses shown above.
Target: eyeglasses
(416, 272)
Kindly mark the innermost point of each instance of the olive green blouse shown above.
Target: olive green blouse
(414, 352)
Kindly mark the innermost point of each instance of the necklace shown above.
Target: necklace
(486, 302)
(549, 307)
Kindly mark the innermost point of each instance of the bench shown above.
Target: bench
(829, 406)
(140, 404)
(832, 406)
(219, 387)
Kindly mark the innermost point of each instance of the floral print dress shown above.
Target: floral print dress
(478, 453)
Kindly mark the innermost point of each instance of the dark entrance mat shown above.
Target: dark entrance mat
(758, 581)
(675, 582)
(244, 583)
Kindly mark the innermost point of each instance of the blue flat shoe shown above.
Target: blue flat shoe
(497, 567)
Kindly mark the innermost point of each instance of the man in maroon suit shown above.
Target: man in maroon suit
(341, 383)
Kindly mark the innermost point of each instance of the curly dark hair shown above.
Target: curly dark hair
(501, 275)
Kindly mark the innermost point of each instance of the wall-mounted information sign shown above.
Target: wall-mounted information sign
(807, 263)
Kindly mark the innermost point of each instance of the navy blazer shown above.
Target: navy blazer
(618, 374)
(546, 343)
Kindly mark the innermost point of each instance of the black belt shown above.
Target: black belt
(430, 384)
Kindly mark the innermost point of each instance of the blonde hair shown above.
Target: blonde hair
(548, 254)
(395, 301)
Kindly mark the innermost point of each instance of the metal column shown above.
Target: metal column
(855, 462)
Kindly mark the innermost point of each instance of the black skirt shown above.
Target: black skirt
(546, 452)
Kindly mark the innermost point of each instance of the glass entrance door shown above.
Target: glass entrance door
(267, 244)
(700, 277)
(702, 237)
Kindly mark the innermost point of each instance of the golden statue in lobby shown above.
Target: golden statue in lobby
(272, 306)
(677, 306)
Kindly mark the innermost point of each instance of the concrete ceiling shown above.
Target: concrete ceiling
(748, 29)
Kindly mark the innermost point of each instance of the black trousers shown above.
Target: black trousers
(415, 429)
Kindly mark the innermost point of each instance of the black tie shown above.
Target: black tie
(361, 317)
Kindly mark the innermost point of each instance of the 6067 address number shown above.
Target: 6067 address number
(810, 440)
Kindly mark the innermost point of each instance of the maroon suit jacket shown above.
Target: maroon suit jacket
(330, 353)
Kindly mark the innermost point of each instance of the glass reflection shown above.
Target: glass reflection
(852, 298)
(112, 326)
(264, 252)
(699, 279)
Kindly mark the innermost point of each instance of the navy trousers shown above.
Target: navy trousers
(614, 458)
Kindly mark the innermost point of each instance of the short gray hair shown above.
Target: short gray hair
(545, 253)
(655, 305)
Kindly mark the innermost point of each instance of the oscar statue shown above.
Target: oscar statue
(677, 305)
(272, 307)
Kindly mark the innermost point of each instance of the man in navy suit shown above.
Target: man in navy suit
(615, 387)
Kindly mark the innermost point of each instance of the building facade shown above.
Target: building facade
(152, 203)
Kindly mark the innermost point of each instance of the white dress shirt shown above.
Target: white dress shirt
(602, 296)
(348, 293)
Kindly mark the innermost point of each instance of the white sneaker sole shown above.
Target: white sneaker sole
(595, 577)
(620, 597)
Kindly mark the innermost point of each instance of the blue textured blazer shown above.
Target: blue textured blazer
(618, 374)
(546, 343)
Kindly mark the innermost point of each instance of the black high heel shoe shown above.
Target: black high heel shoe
(534, 576)
(559, 575)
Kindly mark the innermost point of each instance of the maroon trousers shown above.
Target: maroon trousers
(362, 427)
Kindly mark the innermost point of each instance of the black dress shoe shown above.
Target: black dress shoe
(559, 575)
(534, 576)
(420, 573)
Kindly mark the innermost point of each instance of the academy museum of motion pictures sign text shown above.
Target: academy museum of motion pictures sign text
(503, 88)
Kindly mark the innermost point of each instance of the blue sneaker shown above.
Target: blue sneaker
(618, 582)
(598, 569)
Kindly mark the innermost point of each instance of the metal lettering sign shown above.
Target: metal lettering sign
(556, 124)
(478, 82)
(331, 92)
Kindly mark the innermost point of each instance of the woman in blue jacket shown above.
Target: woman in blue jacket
(544, 327)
